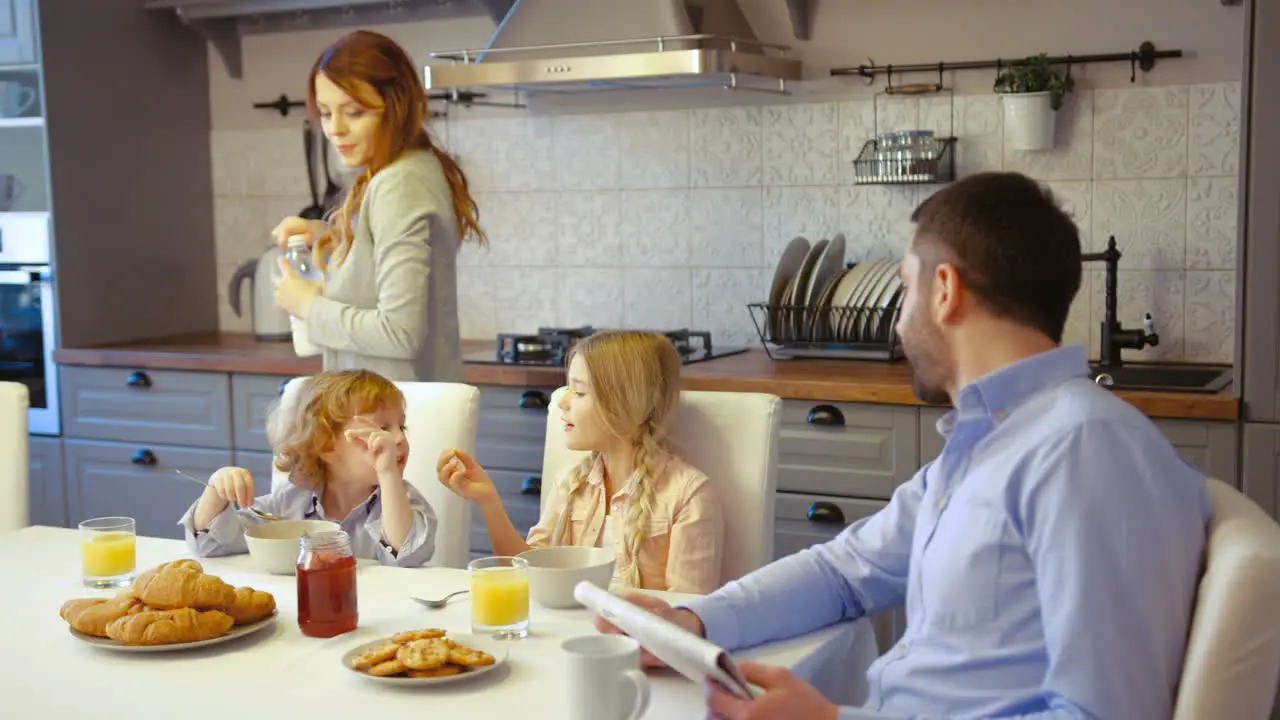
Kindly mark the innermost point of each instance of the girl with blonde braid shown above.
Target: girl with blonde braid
(631, 493)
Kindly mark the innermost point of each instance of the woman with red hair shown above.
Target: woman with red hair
(388, 302)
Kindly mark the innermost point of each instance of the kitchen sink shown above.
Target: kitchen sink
(1164, 377)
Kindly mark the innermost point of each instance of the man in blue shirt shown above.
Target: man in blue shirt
(1048, 559)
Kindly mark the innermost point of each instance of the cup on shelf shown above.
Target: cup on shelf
(15, 98)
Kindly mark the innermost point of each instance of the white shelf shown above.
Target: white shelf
(21, 122)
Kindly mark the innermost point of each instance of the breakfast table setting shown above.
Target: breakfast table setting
(266, 662)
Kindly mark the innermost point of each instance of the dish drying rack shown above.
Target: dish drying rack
(790, 332)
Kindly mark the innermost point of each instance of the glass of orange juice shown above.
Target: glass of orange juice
(500, 597)
(107, 552)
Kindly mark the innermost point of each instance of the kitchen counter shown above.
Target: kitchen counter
(752, 371)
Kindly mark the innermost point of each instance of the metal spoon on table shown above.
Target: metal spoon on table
(260, 513)
(437, 604)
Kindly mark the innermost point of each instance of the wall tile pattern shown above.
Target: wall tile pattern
(676, 218)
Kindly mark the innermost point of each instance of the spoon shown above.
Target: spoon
(437, 604)
(260, 513)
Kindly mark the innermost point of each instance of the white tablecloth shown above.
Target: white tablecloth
(47, 673)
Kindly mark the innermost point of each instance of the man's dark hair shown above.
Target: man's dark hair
(1014, 247)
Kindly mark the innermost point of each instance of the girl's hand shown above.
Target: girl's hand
(229, 485)
(460, 473)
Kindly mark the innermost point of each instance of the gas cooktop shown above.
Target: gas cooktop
(550, 346)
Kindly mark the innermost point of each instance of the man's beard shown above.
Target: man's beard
(927, 365)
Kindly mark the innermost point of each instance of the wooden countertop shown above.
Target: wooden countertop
(752, 371)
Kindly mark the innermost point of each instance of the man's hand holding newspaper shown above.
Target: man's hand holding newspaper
(727, 684)
(683, 618)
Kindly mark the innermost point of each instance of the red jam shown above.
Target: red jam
(326, 592)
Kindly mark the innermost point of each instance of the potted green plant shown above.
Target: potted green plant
(1033, 92)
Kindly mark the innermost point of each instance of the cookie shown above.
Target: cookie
(375, 655)
(423, 654)
(388, 668)
(469, 657)
(409, 636)
(442, 671)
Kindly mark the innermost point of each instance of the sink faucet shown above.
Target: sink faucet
(1114, 337)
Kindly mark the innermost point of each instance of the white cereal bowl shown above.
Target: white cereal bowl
(555, 571)
(274, 546)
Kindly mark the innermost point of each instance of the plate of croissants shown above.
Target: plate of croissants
(174, 606)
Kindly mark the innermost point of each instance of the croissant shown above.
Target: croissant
(174, 588)
(166, 627)
(251, 605)
(92, 615)
(172, 565)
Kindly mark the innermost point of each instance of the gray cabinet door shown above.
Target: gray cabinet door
(259, 466)
(17, 32)
(802, 521)
(137, 481)
(509, 440)
(47, 493)
(252, 399)
(1211, 446)
(931, 441)
(512, 428)
(147, 406)
(1260, 473)
(847, 449)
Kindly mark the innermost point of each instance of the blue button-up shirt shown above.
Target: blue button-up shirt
(1048, 561)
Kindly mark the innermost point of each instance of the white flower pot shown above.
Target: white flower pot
(1029, 120)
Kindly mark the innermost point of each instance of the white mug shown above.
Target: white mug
(604, 679)
(15, 98)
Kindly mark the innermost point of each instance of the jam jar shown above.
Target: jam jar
(326, 584)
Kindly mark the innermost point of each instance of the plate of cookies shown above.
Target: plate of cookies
(427, 656)
(174, 606)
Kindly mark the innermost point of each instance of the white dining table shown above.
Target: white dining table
(279, 672)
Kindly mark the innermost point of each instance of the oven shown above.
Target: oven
(28, 329)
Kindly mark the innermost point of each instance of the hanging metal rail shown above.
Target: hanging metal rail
(1144, 58)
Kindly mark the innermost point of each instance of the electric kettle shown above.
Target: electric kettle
(270, 322)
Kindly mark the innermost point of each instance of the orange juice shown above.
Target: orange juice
(499, 596)
(108, 554)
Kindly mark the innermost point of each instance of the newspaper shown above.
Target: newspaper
(693, 657)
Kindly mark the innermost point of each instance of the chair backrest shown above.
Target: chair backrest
(439, 416)
(1233, 652)
(14, 452)
(733, 438)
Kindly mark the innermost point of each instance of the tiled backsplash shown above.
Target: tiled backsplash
(675, 218)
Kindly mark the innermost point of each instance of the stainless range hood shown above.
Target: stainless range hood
(579, 46)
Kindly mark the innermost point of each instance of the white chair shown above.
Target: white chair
(14, 460)
(439, 416)
(1233, 652)
(733, 438)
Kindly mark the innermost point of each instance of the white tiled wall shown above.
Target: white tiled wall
(675, 218)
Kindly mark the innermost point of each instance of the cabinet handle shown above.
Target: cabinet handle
(143, 457)
(825, 512)
(138, 379)
(532, 485)
(825, 415)
(534, 400)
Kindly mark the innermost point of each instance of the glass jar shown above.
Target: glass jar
(327, 585)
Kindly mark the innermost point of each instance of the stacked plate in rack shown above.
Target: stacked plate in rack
(814, 298)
